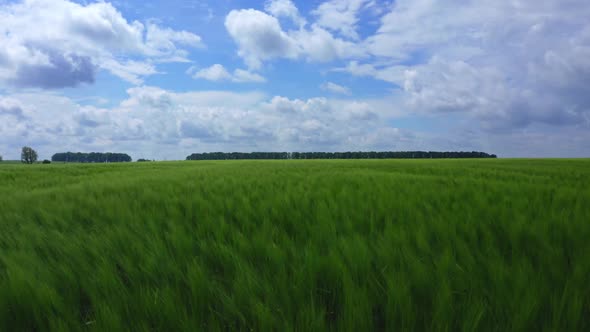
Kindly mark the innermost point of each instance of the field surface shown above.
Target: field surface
(356, 245)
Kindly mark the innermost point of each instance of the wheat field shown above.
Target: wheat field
(355, 245)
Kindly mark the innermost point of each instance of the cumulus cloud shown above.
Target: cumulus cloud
(162, 42)
(59, 43)
(335, 88)
(260, 37)
(60, 70)
(162, 124)
(506, 65)
(165, 124)
(284, 8)
(340, 16)
(218, 73)
(130, 70)
(11, 108)
(319, 45)
(214, 73)
(241, 75)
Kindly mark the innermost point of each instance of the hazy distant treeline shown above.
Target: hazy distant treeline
(337, 155)
(92, 157)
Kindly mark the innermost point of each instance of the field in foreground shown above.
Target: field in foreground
(387, 245)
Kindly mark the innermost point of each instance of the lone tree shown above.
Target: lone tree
(0, 158)
(28, 155)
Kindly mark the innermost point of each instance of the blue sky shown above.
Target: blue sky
(163, 79)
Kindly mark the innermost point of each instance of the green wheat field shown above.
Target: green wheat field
(355, 245)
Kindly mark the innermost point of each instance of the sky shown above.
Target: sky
(164, 79)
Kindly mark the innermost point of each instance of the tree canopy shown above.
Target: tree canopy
(338, 155)
(28, 155)
(92, 157)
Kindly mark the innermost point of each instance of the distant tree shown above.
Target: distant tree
(46, 161)
(0, 158)
(92, 157)
(28, 155)
(142, 160)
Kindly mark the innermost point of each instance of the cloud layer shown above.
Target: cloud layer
(506, 65)
(152, 120)
(57, 43)
(507, 77)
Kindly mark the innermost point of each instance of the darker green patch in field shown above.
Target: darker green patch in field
(358, 245)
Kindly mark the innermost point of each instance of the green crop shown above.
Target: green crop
(355, 245)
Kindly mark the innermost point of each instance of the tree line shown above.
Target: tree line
(92, 157)
(338, 155)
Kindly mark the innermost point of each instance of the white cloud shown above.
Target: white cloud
(357, 69)
(214, 73)
(505, 64)
(259, 37)
(284, 8)
(335, 88)
(392, 74)
(320, 45)
(59, 43)
(241, 75)
(129, 70)
(12, 108)
(156, 123)
(340, 16)
(484, 94)
(218, 73)
(162, 42)
(502, 65)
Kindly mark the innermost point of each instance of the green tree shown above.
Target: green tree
(28, 155)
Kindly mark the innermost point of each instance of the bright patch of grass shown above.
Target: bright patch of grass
(354, 245)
